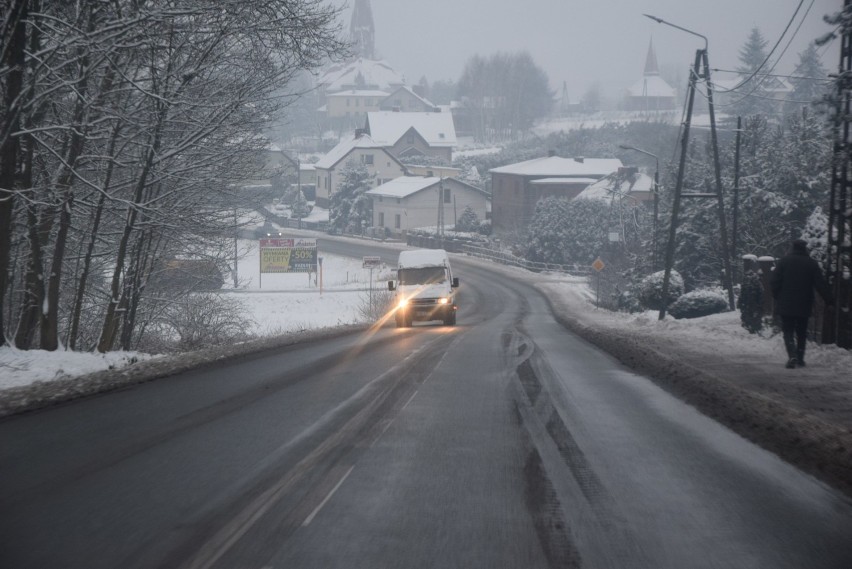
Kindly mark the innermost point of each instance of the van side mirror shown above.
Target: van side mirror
(391, 286)
(455, 282)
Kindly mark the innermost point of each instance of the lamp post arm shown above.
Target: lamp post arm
(662, 21)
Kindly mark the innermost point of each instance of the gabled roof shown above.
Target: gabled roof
(556, 166)
(405, 186)
(413, 94)
(343, 149)
(616, 185)
(651, 86)
(358, 93)
(376, 74)
(387, 127)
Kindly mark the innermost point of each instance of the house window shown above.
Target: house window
(347, 102)
(398, 200)
(367, 159)
(447, 197)
(397, 221)
(430, 173)
(441, 135)
(381, 219)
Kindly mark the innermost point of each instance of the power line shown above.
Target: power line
(777, 43)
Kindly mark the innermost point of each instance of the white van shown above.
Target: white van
(425, 288)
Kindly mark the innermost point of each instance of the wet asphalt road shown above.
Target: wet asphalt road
(503, 442)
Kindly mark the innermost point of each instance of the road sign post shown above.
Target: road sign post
(598, 265)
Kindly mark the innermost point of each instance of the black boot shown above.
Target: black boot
(791, 363)
(800, 357)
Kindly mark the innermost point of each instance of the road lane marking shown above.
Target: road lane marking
(311, 517)
(410, 399)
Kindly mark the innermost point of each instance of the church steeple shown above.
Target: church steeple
(362, 31)
(651, 67)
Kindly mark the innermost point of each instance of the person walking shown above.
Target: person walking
(793, 282)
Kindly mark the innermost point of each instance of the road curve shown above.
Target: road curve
(503, 442)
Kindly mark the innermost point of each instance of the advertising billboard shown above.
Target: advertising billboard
(288, 255)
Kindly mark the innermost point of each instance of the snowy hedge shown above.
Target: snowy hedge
(651, 290)
(698, 303)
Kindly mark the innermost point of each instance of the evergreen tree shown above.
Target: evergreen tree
(566, 232)
(810, 82)
(467, 221)
(351, 210)
(752, 97)
(301, 207)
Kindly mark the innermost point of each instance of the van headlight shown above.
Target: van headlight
(403, 303)
(443, 300)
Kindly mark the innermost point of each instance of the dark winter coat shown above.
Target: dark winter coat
(794, 280)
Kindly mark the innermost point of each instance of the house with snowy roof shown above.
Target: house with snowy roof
(410, 202)
(404, 99)
(651, 92)
(627, 183)
(353, 104)
(517, 188)
(360, 149)
(413, 135)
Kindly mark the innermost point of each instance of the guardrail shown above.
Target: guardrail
(502, 257)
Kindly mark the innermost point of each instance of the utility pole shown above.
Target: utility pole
(837, 326)
(720, 198)
(701, 60)
(734, 227)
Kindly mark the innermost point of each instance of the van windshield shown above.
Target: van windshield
(422, 276)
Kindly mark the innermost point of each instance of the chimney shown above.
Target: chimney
(551, 153)
(359, 132)
(579, 159)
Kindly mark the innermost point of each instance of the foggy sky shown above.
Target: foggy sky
(587, 41)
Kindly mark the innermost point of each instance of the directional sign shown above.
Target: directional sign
(598, 265)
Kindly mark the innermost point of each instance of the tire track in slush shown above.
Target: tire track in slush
(575, 516)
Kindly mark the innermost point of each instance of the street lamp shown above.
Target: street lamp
(656, 195)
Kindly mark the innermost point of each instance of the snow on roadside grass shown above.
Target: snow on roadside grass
(23, 367)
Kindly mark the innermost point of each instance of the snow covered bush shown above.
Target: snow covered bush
(651, 290)
(484, 227)
(467, 221)
(197, 321)
(627, 301)
(750, 302)
(698, 303)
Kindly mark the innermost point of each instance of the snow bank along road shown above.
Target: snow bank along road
(507, 441)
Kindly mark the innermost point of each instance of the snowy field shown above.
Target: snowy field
(281, 303)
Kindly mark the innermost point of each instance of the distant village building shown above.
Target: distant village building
(405, 99)
(347, 90)
(411, 202)
(651, 93)
(360, 149)
(410, 136)
(350, 107)
(625, 183)
(517, 188)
